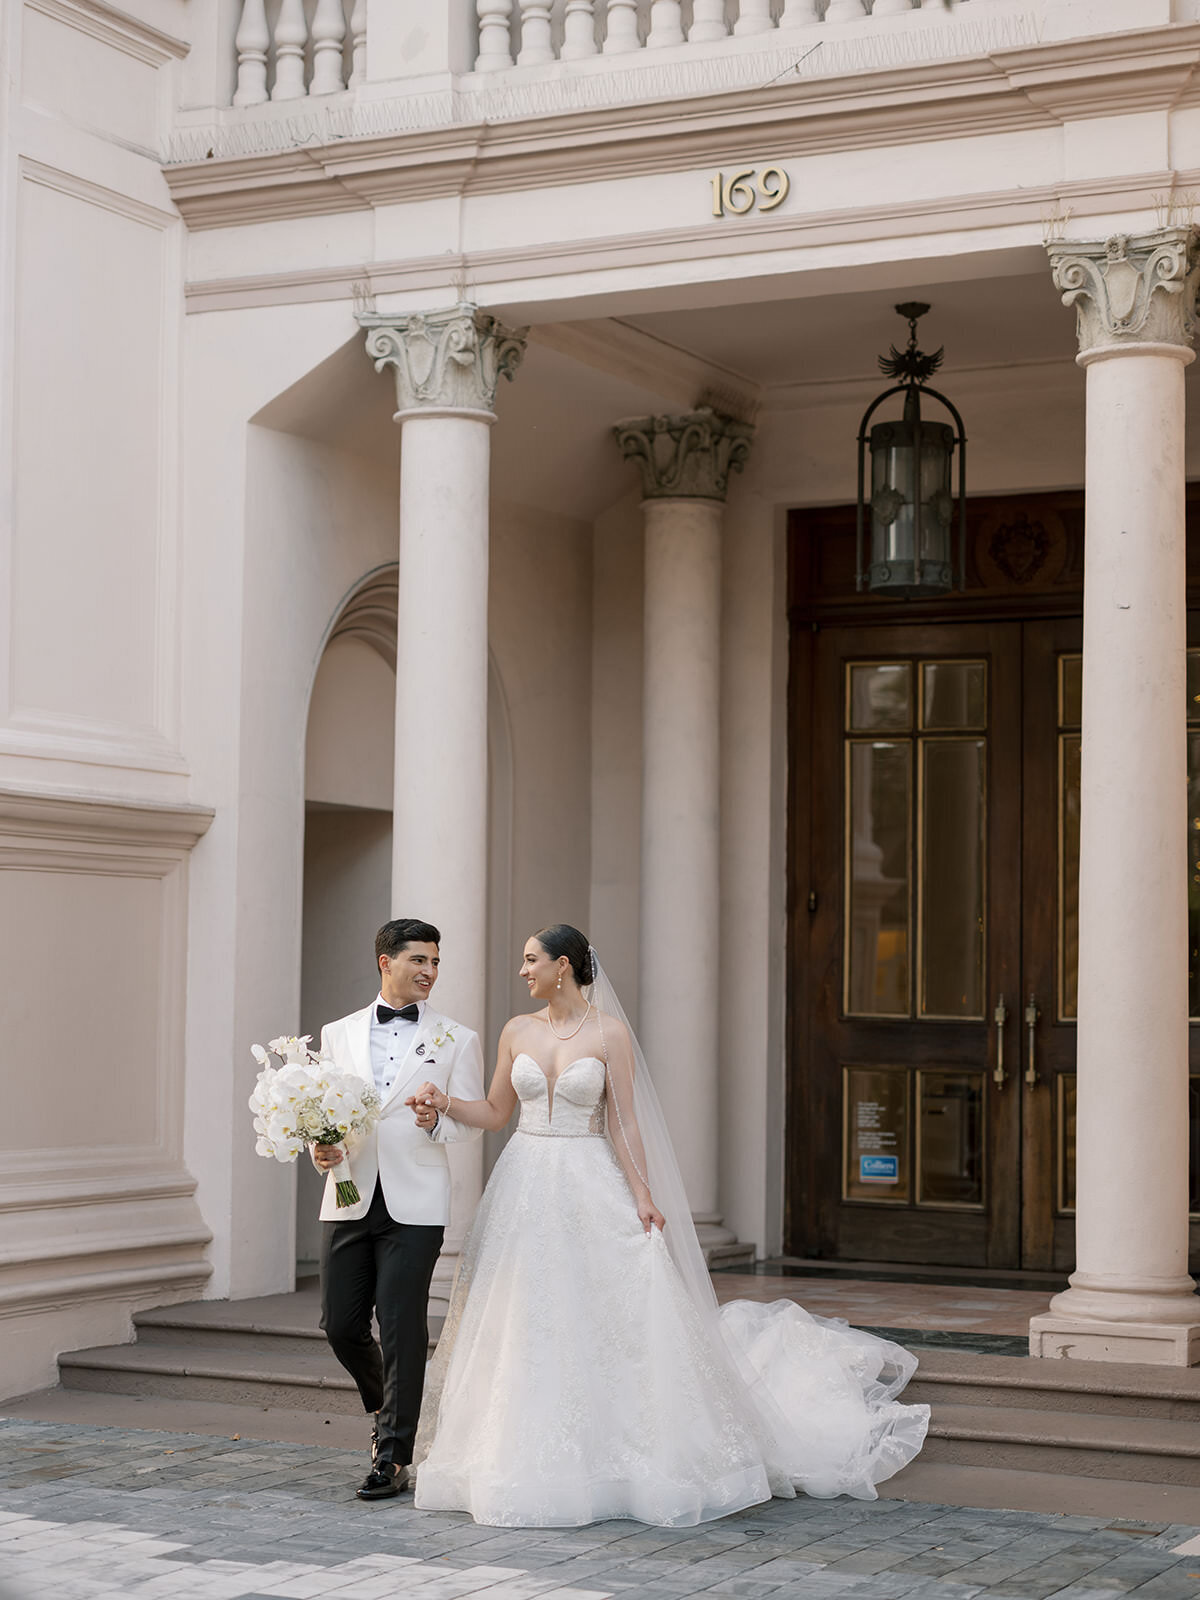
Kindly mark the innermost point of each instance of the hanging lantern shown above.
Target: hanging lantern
(911, 504)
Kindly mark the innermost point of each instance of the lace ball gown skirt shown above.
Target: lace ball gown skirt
(580, 1384)
(576, 1380)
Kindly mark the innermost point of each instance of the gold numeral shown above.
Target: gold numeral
(739, 192)
(773, 186)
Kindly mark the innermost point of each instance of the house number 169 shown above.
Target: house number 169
(735, 193)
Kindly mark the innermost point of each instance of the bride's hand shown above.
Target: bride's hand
(649, 1215)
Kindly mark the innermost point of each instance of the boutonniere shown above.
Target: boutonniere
(443, 1034)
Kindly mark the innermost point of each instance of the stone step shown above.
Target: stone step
(953, 1377)
(254, 1375)
(1147, 1450)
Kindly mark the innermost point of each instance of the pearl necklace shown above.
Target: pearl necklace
(574, 1030)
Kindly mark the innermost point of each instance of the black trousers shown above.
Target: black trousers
(380, 1265)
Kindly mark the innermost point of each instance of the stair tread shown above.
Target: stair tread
(217, 1361)
(1078, 1429)
(1072, 1377)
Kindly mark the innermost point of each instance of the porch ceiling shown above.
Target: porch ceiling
(829, 338)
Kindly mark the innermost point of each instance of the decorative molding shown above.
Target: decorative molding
(370, 614)
(448, 360)
(1132, 289)
(899, 220)
(683, 379)
(688, 457)
(116, 28)
(89, 1182)
(82, 817)
(96, 194)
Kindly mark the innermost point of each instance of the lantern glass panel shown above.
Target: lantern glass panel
(893, 523)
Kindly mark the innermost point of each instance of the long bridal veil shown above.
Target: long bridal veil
(820, 1395)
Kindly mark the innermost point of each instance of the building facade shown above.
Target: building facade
(429, 476)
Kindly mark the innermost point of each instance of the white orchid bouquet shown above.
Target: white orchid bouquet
(306, 1100)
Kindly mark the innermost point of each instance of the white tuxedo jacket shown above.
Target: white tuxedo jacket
(410, 1163)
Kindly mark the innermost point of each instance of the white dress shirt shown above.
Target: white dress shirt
(390, 1044)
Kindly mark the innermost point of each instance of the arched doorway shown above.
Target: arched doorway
(349, 776)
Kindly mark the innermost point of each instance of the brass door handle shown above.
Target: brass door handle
(1031, 1021)
(999, 1076)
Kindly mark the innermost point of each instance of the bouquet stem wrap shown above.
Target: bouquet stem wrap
(344, 1185)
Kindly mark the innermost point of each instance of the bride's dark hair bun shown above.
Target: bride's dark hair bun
(561, 939)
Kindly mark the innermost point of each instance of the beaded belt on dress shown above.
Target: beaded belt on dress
(552, 1133)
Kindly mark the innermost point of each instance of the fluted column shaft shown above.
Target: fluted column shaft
(1130, 1297)
(685, 464)
(447, 365)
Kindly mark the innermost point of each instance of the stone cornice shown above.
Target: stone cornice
(1027, 206)
(1002, 91)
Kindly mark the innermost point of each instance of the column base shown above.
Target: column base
(442, 1283)
(1070, 1338)
(721, 1247)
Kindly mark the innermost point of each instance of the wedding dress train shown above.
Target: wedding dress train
(576, 1380)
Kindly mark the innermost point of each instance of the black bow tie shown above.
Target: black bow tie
(405, 1013)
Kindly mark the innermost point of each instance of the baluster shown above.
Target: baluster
(358, 43)
(845, 10)
(291, 35)
(495, 35)
(536, 47)
(708, 21)
(890, 8)
(579, 30)
(666, 23)
(754, 16)
(328, 35)
(799, 13)
(621, 27)
(253, 41)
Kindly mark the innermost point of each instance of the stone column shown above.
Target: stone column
(1130, 1297)
(447, 365)
(685, 463)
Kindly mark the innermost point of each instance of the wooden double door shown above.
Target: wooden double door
(941, 935)
(933, 896)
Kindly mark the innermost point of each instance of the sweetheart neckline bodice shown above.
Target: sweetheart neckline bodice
(577, 1062)
(550, 1085)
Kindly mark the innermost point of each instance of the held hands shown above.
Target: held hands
(649, 1215)
(327, 1156)
(428, 1104)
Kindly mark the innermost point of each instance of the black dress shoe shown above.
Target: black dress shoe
(382, 1482)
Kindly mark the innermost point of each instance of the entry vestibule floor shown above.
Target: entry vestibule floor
(871, 1304)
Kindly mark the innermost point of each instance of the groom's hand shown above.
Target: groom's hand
(423, 1105)
(326, 1156)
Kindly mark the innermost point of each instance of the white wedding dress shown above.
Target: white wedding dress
(577, 1380)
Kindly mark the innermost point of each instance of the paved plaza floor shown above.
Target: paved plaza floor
(90, 1513)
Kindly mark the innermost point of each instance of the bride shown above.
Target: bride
(584, 1371)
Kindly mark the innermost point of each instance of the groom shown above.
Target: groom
(379, 1255)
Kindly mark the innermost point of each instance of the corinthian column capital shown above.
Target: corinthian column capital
(687, 457)
(1130, 290)
(444, 361)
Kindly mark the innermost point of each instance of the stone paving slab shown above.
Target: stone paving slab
(97, 1513)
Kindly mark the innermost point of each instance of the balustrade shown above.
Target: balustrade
(303, 53)
(293, 49)
(537, 32)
